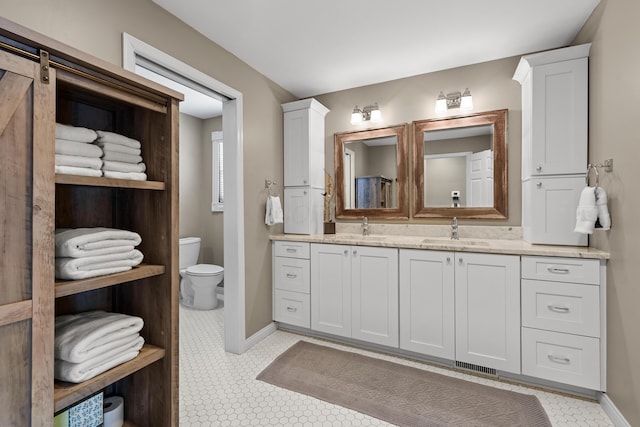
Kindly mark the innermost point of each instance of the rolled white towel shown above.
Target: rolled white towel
(74, 148)
(120, 157)
(75, 133)
(136, 176)
(72, 170)
(603, 209)
(119, 148)
(78, 161)
(79, 372)
(586, 213)
(116, 138)
(123, 167)
(83, 336)
(83, 242)
(94, 266)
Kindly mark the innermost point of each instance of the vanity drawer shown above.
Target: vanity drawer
(561, 307)
(292, 274)
(292, 249)
(292, 308)
(576, 270)
(564, 358)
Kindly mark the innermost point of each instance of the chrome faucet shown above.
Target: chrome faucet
(454, 228)
(365, 226)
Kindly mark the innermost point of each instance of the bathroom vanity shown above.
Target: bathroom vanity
(533, 313)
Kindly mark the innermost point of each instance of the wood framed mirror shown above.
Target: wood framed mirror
(460, 166)
(372, 175)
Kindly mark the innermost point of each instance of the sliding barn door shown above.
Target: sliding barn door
(27, 120)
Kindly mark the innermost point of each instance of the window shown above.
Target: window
(217, 157)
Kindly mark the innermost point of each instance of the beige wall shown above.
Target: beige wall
(614, 93)
(96, 27)
(211, 223)
(413, 98)
(190, 150)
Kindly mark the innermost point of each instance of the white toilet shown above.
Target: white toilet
(199, 281)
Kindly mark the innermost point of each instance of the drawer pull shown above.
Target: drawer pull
(559, 359)
(558, 308)
(291, 276)
(558, 270)
(292, 250)
(292, 309)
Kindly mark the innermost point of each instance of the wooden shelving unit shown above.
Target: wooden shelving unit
(72, 287)
(108, 182)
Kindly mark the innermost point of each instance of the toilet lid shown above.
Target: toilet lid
(204, 270)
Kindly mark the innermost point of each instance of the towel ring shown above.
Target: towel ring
(591, 167)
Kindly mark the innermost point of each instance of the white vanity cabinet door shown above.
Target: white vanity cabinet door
(374, 282)
(427, 298)
(303, 210)
(331, 289)
(488, 310)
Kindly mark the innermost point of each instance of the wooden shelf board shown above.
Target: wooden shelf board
(66, 394)
(71, 287)
(108, 182)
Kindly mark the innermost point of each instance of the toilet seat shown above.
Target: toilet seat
(204, 270)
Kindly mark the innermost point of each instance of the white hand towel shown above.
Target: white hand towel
(136, 176)
(94, 266)
(121, 157)
(123, 167)
(274, 214)
(74, 133)
(74, 148)
(116, 138)
(72, 170)
(82, 242)
(110, 146)
(83, 336)
(586, 213)
(603, 210)
(78, 161)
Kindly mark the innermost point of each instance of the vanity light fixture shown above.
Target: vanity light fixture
(368, 113)
(463, 101)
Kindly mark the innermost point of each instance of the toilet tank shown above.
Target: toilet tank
(189, 251)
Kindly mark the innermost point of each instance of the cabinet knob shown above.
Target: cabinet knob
(460, 261)
(539, 185)
(346, 252)
(539, 168)
(355, 252)
(448, 260)
(304, 181)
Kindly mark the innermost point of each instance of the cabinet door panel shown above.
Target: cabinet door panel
(296, 154)
(375, 295)
(331, 289)
(427, 321)
(488, 310)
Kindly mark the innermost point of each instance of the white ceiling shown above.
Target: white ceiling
(321, 46)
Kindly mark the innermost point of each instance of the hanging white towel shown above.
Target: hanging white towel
(74, 148)
(274, 214)
(587, 213)
(116, 138)
(603, 210)
(74, 133)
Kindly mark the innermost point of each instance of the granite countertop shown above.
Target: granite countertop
(442, 243)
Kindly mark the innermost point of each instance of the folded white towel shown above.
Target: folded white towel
(116, 138)
(83, 242)
(72, 170)
(274, 214)
(136, 176)
(74, 133)
(120, 157)
(83, 336)
(603, 210)
(123, 167)
(586, 213)
(74, 148)
(78, 161)
(110, 146)
(79, 372)
(93, 266)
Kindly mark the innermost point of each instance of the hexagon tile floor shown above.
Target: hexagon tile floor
(220, 389)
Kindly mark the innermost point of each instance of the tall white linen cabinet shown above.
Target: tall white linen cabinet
(304, 166)
(555, 88)
(43, 82)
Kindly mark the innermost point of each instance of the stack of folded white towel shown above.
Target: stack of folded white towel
(90, 343)
(122, 156)
(82, 253)
(75, 153)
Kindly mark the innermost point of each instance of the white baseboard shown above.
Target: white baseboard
(612, 411)
(259, 336)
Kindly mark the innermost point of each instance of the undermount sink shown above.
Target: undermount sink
(462, 242)
(361, 237)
